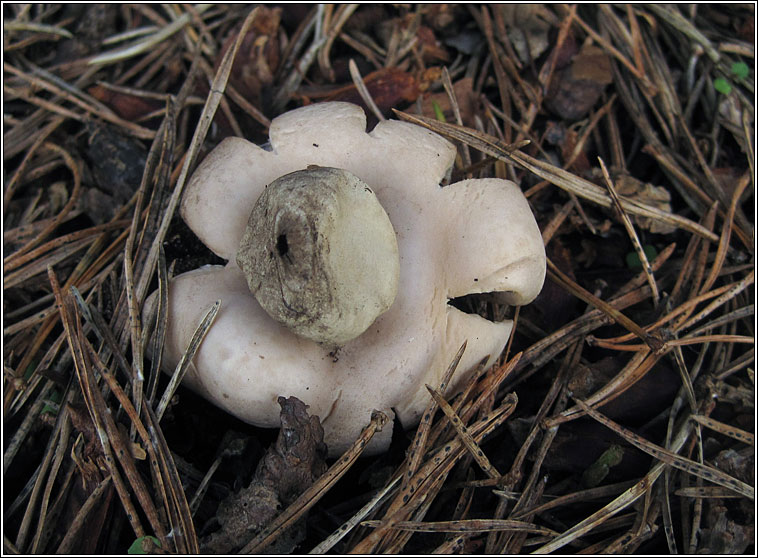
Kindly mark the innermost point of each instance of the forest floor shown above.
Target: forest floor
(619, 419)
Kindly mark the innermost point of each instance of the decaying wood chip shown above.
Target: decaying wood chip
(723, 535)
(290, 466)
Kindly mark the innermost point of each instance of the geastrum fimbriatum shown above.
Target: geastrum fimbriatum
(354, 250)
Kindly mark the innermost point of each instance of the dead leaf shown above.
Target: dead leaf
(287, 469)
(87, 452)
(387, 86)
(526, 29)
(581, 163)
(464, 94)
(82, 422)
(644, 192)
(126, 105)
(439, 16)
(587, 379)
(592, 64)
(432, 50)
(574, 90)
(258, 57)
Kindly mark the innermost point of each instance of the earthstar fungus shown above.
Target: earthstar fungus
(472, 237)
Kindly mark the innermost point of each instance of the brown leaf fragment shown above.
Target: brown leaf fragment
(297, 458)
(464, 94)
(565, 52)
(440, 16)
(388, 87)
(527, 30)
(746, 29)
(287, 469)
(85, 514)
(592, 64)
(82, 422)
(586, 380)
(647, 193)
(727, 178)
(126, 105)
(577, 88)
(259, 55)
(431, 49)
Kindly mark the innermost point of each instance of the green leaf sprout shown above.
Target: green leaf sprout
(138, 545)
(722, 86)
(740, 69)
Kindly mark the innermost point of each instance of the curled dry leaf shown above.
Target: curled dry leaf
(441, 16)
(259, 55)
(90, 452)
(388, 87)
(576, 88)
(127, 105)
(431, 49)
(644, 192)
(568, 139)
(289, 467)
(527, 29)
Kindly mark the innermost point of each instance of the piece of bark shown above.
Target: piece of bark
(721, 534)
(287, 469)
